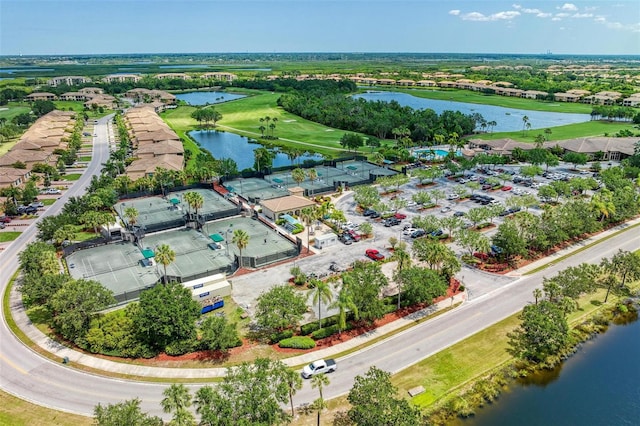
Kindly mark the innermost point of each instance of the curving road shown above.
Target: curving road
(34, 378)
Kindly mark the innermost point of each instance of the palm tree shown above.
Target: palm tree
(344, 302)
(525, 122)
(241, 240)
(294, 383)
(195, 200)
(312, 174)
(165, 256)
(319, 381)
(308, 214)
(177, 398)
(320, 293)
(403, 257)
(377, 158)
(298, 175)
(537, 294)
(131, 214)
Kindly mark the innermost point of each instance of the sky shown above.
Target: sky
(67, 27)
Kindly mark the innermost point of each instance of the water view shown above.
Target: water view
(596, 386)
(204, 98)
(507, 119)
(239, 149)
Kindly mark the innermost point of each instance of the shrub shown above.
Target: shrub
(298, 342)
(298, 228)
(181, 347)
(325, 332)
(277, 337)
(309, 328)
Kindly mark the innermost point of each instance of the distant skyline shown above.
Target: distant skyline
(67, 27)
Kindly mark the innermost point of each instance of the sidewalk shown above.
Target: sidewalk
(98, 363)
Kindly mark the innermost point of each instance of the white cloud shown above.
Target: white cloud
(568, 6)
(562, 15)
(500, 16)
(454, 12)
(582, 15)
(600, 19)
(556, 19)
(544, 15)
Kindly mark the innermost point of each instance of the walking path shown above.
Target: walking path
(112, 367)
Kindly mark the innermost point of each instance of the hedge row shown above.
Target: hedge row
(298, 342)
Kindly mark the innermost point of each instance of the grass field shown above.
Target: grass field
(570, 131)
(18, 412)
(71, 176)
(9, 236)
(13, 109)
(475, 356)
(243, 117)
(495, 100)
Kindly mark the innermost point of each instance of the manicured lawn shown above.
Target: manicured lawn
(243, 117)
(87, 158)
(13, 109)
(9, 236)
(570, 131)
(496, 100)
(474, 357)
(48, 201)
(71, 176)
(17, 412)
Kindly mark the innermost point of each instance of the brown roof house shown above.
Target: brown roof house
(13, 177)
(290, 204)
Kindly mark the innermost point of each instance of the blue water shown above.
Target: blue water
(599, 385)
(184, 66)
(29, 69)
(507, 119)
(238, 148)
(203, 98)
(425, 153)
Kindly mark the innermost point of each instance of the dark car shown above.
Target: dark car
(335, 267)
(486, 187)
(458, 214)
(374, 215)
(436, 233)
(392, 221)
(418, 233)
(346, 238)
(373, 254)
(368, 212)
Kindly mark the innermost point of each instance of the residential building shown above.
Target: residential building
(68, 80)
(223, 76)
(40, 96)
(122, 78)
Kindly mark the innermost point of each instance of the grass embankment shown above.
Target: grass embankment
(71, 176)
(495, 100)
(242, 117)
(452, 369)
(18, 412)
(569, 131)
(9, 236)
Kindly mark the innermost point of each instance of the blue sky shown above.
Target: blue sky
(182, 26)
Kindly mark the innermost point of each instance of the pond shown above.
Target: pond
(596, 386)
(204, 98)
(239, 149)
(507, 119)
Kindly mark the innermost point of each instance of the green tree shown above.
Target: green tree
(124, 413)
(75, 303)
(177, 399)
(40, 259)
(218, 334)
(66, 233)
(542, 332)
(438, 257)
(308, 215)
(366, 196)
(344, 303)
(319, 381)
(250, 394)
(280, 308)
(294, 383)
(351, 141)
(320, 293)
(131, 215)
(373, 402)
(298, 175)
(403, 260)
(38, 288)
(195, 200)
(422, 285)
(364, 284)
(263, 158)
(241, 240)
(165, 256)
(575, 158)
(167, 314)
(623, 266)
(508, 239)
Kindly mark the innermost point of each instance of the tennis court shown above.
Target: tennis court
(256, 188)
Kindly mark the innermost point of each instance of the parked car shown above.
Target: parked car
(354, 235)
(459, 214)
(436, 233)
(368, 212)
(452, 196)
(400, 216)
(51, 191)
(373, 254)
(486, 187)
(320, 366)
(418, 233)
(5, 219)
(408, 231)
(37, 204)
(345, 238)
(392, 221)
(445, 209)
(507, 188)
(335, 267)
(374, 215)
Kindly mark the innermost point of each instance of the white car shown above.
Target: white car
(407, 232)
(452, 196)
(446, 209)
(52, 191)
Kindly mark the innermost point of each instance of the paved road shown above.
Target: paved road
(34, 378)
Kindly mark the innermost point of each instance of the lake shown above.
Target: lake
(599, 385)
(238, 148)
(204, 98)
(507, 119)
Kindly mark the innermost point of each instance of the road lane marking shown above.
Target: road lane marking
(14, 366)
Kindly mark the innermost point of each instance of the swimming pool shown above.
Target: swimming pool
(437, 153)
